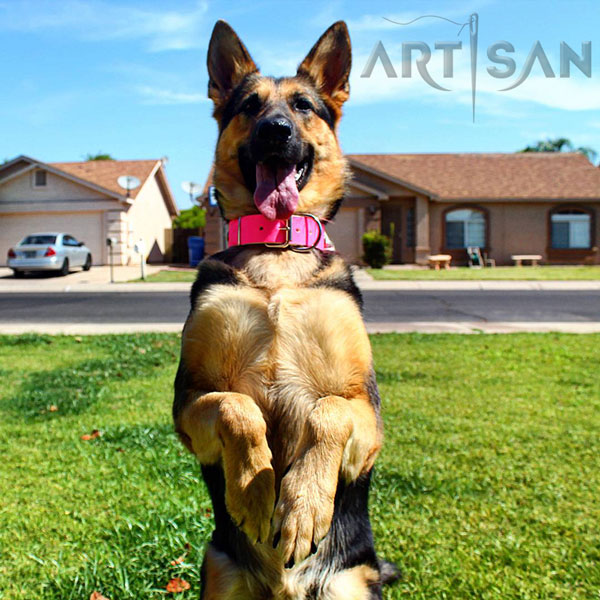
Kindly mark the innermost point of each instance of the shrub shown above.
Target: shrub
(377, 249)
(190, 218)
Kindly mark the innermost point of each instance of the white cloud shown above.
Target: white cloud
(97, 20)
(155, 95)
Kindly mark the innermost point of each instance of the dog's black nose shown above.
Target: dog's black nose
(274, 130)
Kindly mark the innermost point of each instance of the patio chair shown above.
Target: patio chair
(476, 260)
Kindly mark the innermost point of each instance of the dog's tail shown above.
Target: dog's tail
(389, 572)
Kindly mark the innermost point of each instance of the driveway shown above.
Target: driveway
(96, 276)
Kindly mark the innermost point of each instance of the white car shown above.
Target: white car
(49, 252)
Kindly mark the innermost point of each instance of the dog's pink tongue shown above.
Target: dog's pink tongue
(276, 193)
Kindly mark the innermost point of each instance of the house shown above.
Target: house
(85, 200)
(522, 203)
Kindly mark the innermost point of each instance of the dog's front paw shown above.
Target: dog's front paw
(304, 512)
(250, 490)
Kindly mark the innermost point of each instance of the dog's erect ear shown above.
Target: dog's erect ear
(328, 63)
(228, 62)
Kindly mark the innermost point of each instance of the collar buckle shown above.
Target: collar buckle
(314, 244)
(287, 229)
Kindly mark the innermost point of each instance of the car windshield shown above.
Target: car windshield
(38, 239)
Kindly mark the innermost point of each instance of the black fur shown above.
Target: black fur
(227, 538)
(182, 384)
(322, 109)
(333, 210)
(236, 100)
(212, 271)
(341, 280)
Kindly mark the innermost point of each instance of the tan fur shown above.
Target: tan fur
(224, 581)
(352, 584)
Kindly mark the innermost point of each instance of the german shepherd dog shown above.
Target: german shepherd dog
(275, 393)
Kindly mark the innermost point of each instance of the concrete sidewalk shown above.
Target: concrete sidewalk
(455, 327)
(98, 280)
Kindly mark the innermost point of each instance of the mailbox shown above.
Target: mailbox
(140, 246)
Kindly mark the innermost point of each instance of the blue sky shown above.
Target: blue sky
(129, 77)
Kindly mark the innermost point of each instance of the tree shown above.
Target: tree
(561, 145)
(98, 156)
(190, 218)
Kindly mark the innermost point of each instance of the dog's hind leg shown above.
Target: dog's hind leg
(341, 436)
(222, 579)
(230, 427)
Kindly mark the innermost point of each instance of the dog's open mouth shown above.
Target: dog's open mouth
(276, 184)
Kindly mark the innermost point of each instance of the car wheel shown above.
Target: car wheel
(64, 270)
(18, 274)
(88, 263)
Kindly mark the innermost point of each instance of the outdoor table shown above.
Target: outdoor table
(533, 258)
(437, 261)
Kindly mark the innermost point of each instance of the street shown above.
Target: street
(385, 310)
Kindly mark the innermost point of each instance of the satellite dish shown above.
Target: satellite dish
(191, 188)
(128, 182)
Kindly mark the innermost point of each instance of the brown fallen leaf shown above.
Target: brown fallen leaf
(53, 408)
(97, 596)
(91, 436)
(179, 560)
(177, 585)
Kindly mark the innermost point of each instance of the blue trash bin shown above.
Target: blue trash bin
(195, 249)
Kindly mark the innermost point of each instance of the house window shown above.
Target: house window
(571, 228)
(39, 179)
(465, 227)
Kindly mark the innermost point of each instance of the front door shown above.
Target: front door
(391, 225)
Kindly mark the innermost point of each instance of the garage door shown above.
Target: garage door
(85, 227)
(344, 233)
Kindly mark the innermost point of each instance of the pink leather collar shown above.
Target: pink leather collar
(299, 232)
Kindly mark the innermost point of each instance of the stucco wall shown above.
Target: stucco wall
(514, 228)
(57, 188)
(148, 218)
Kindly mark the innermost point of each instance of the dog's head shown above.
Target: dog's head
(277, 151)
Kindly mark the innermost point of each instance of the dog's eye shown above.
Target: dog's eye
(302, 104)
(251, 105)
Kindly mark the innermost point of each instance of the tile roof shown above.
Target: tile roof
(105, 172)
(526, 176)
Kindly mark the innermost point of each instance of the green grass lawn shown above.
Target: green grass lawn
(169, 276)
(526, 273)
(543, 273)
(487, 486)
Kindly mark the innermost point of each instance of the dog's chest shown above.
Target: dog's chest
(285, 349)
